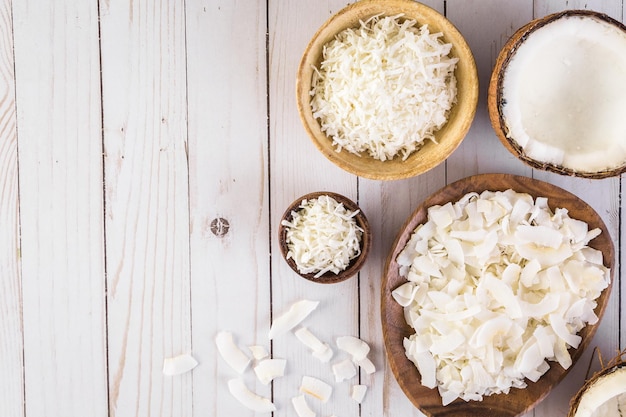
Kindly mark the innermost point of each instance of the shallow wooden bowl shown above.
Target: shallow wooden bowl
(448, 138)
(355, 265)
(395, 328)
(495, 99)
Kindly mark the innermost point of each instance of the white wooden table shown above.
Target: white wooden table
(127, 128)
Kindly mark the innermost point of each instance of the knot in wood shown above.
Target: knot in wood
(219, 226)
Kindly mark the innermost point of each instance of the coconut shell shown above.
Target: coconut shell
(615, 364)
(495, 99)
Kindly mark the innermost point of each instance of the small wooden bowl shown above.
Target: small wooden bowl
(355, 265)
(496, 101)
(448, 138)
(395, 328)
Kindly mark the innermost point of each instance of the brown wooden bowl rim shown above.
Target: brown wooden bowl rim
(355, 264)
(395, 328)
(449, 137)
(495, 100)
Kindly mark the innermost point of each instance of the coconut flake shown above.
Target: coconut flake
(355, 347)
(248, 398)
(497, 286)
(269, 369)
(358, 393)
(179, 364)
(230, 352)
(297, 312)
(316, 388)
(343, 370)
(258, 352)
(302, 407)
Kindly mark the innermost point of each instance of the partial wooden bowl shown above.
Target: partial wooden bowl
(395, 328)
(495, 99)
(448, 138)
(355, 265)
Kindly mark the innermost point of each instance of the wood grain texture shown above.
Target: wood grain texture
(297, 168)
(61, 211)
(228, 165)
(147, 205)
(11, 337)
(395, 328)
(481, 151)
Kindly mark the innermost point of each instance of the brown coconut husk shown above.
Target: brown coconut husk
(611, 366)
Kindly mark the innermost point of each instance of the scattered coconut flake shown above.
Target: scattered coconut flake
(322, 236)
(520, 283)
(301, 407)
(354, 346)
(320, 350)
(292, 317)
(367, 365)
(343, 370)
(316, 388)
(269, 369)
(230, 352)
(384, 88)
(179, 364)
(258, 352)
(248, 398)
(358, 393)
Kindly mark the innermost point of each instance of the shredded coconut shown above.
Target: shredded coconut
(384, 88)
(322, 236)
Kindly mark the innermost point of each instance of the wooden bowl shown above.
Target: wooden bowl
(496, 101)
(395, 328)
(355, 265)
(448, 138)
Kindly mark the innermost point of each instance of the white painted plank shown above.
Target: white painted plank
(228, 150)
(486, 26)
(147, 205)
(622, 334)
(60, 168)
(296, 168)
(11, 338)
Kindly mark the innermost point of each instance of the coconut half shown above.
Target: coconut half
(603, 395)
(558, 93)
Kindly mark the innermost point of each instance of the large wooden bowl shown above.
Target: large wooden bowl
(496, 101)
(395, 328)
(448, 138)
(355, 265)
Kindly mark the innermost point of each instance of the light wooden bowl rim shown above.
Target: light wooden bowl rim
(448, 138)
(518, 401)
(495, 99)
(355, 265)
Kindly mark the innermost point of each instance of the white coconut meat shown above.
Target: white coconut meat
(606, 397)
(248, 398)
(316, 388)
(230, 352)
(269, 369)
(498, 285)
(179, 364)
(296, 313)
(358, 392)
(565, 93)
